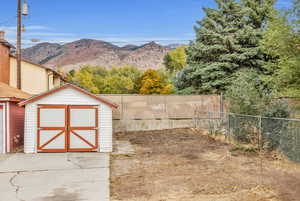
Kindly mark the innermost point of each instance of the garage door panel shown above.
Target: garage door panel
(52, 128)
(47, 135)
(83, 139)
(58, 143)
(83, 134)
(52, 117)
(83, 117)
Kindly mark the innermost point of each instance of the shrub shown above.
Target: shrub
(247, 94)
(272, 128)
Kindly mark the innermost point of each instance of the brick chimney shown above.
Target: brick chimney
(4, 59)
(2, 35)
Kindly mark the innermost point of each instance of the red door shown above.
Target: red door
(66, 128)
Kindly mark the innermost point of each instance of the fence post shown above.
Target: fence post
(122, 114)
(194, 116)
(260, 149)
(259, 133)
(228, 127)
(221, 105)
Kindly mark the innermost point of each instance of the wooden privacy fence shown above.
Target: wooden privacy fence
(154, 112)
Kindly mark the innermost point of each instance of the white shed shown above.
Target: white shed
(67, 119)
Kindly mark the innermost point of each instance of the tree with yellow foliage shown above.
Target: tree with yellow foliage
(85, 80)
(175, 60)
(152, 83)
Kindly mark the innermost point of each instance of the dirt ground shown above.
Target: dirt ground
(185, 165)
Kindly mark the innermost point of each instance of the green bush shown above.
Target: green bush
(247, 94)
(273, 128)
(277, 108)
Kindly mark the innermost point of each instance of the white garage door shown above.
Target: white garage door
(1, 129)
(67, 128)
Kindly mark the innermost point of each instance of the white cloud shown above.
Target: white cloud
(45, 34)
(32, 27)
(37, 27)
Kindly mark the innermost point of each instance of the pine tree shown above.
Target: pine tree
(227, 40)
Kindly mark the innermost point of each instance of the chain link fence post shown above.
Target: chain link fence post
(260, 144)
(228, 127)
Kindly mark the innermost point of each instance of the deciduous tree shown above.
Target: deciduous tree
(152, 83)
(175, 60)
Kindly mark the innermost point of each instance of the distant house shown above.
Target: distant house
(35, 78)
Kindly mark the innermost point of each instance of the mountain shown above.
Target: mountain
(96, 53)
(173, 46)
(129, 47)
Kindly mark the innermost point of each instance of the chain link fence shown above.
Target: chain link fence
(261, 133)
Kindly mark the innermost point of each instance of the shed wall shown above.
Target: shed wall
(68, 96)
(16, 126)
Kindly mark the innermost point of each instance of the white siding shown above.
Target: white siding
(3, 129)
(30, 128)
(68, 96)
(105, 132)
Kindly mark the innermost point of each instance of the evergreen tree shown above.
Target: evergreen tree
(227, 40)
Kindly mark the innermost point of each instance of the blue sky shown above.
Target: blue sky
(120, 21)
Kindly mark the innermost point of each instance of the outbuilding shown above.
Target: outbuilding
(68, 119)
(11, 118)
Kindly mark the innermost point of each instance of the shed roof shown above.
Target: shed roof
(7, 91)
(65, 86)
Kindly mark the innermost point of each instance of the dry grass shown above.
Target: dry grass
(184, 165)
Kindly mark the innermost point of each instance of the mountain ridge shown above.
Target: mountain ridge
(75, 54)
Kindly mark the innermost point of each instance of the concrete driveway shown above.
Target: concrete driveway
(54, 177)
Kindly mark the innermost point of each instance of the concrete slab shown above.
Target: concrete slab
(5, 184)
(55, 177)
(90, 160)
(53, 161)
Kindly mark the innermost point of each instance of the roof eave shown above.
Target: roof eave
(7, 44)
(11, 99)
(68, 85)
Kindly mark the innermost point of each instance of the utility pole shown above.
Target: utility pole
(18, 54)
(20, 12)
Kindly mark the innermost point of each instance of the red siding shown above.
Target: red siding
(4, 64)
(16, 126)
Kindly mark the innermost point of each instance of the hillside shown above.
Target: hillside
(97, 53)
